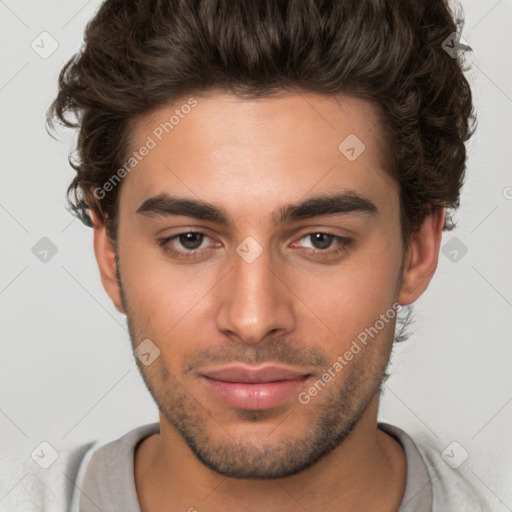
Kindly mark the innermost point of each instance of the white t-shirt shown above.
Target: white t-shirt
(100, 477)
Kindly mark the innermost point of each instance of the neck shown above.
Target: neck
(365, 472)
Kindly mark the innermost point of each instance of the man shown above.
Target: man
(268, 183)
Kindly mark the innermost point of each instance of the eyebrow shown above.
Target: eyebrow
(326, 204)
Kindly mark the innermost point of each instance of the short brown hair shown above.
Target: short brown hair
(142, 54)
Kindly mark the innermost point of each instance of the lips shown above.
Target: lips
(253, 375)
(248, 387)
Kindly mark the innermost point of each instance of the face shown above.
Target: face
(254, 254)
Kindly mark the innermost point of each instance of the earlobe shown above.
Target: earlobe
(105, 257)
(422, 257)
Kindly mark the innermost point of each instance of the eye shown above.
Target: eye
(191, 240)
(191, 244)
(320, 240)
(323, 245)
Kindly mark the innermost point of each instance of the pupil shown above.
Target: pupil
(191, 240)
(322, 240)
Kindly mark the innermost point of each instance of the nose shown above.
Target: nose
(255, 301)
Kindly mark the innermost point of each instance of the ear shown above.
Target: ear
(421, 258)
(105, 256)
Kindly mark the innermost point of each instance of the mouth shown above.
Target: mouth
(252, 387)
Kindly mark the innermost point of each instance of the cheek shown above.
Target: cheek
(351, 296)
(148, 287)
(165, 300)
(161, 301)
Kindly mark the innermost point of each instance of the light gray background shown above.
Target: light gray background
(67, 373)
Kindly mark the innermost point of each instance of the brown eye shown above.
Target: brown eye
(189, 245)
(191, 240)
(323, 246)
(321, 240)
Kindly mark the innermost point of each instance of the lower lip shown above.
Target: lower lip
(243, 395)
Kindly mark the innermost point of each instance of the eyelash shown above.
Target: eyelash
(344, 244)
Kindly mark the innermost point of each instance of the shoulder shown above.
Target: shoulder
(452, 483)
(41, 478)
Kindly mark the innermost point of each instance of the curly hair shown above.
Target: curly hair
(139, 55)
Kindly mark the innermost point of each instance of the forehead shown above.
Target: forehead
(258, 153)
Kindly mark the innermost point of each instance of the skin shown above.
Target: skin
(292, 305)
